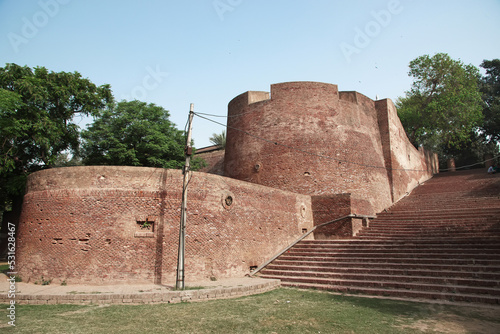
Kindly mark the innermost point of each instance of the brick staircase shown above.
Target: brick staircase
(442, 242)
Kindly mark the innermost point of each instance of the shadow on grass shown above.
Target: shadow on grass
(279, 311)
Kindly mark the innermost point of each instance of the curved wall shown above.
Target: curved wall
(312, 139)
(309, 152)
(86, 225)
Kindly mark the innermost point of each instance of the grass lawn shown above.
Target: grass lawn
(279, 311)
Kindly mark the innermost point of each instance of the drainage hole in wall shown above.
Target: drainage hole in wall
(252, 268)
(228, 200)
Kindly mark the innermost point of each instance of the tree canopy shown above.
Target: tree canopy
(37, 108)
(490, 87)
(444, 105)
(134, 134)
(219, 139)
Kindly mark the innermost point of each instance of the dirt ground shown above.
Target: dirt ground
(466, 320)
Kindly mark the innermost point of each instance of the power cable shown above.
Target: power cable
(328, 157)
(306, 152)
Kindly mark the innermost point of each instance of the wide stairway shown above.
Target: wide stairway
(442, 242)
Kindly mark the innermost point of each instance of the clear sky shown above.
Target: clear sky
(206, 52)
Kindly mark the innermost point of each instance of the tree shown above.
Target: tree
(134, 134)
(219, 139)
(443, 107)
(490, 87)
(37, 108)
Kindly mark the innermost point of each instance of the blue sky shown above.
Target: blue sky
(206, 52)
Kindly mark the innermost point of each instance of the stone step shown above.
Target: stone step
(430, 205)
(358, 263)
(433, 230)
(423, 236)
(398, 293)
(393, 255)
(426, 233)
(382, 277)
(394, 270)
(401, 260)
(441, 219)
(399, 285)
(434, 224)
(440, 242)
(404, 214)
(490, 241)
(394, 249)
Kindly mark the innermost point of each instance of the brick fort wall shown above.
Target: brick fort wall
(309, 138)
(296, 157)
(121, 224)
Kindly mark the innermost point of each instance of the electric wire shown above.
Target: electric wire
(202, 115)
(307, 152)
(229, 116)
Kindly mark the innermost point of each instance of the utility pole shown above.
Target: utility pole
(182, 229)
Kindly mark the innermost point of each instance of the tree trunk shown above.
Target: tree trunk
(10, 217)
(451, 165)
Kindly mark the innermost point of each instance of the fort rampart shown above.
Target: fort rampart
(121, 224)
(295, 158)
(309, 138)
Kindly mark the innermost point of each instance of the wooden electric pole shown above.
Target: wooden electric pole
(182, 228)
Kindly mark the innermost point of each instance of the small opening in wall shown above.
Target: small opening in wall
(227, 200)
(304, 230)
(145, 226)
(144, 229)
(252, 268)
(307, 174)
(57, 241)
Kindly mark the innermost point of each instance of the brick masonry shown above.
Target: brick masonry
(319, 141)
(86, 225)
(105, 224)
(144, 297)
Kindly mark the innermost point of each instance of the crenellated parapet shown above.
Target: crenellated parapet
(309, 138)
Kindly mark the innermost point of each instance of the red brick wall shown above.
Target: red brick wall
(319, 141)
(407, 166)
(214, 162)
(79, 224)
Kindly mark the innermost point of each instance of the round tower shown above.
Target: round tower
(309, 138)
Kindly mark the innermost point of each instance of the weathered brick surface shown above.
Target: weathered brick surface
(214, 160)
(80, 224)
(306, 152)
(320, 141)
(144, 297)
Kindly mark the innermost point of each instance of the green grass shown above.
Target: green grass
(278, 311)
(4, 268)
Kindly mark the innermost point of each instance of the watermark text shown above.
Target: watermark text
(151, 81)
(11, 274)
(364, 36)
(224, 6)
(31, 26)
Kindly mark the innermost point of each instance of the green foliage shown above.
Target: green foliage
(134, 134)
(444, 105)
(279, 311)
(490, 87)
(219, 139)
(36, 112)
